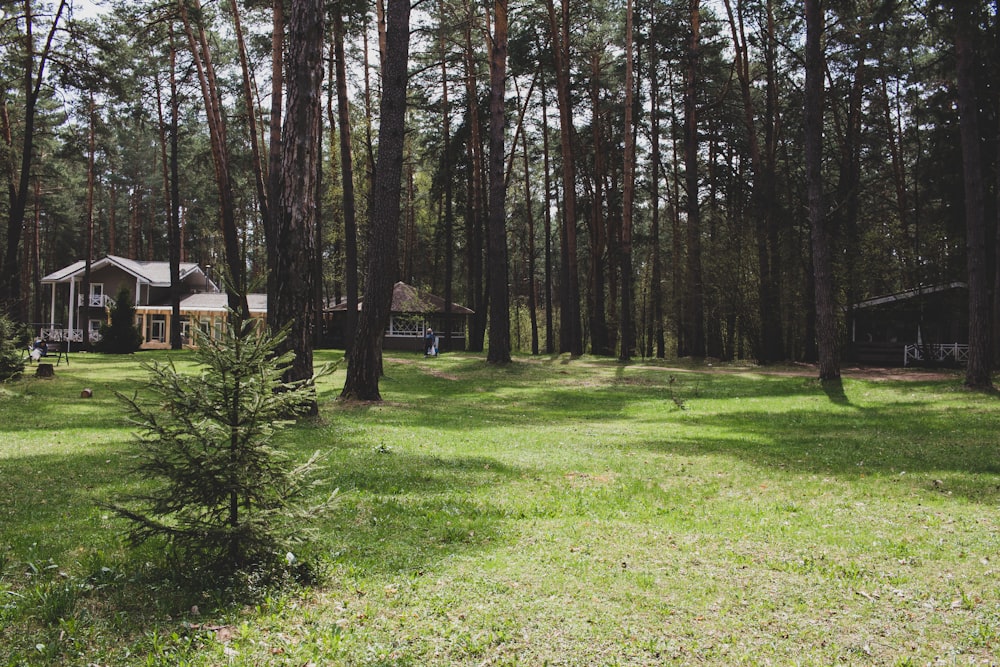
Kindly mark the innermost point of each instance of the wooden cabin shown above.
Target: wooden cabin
(413, 312)
(923, 326)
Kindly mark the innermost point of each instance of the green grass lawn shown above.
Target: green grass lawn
(556, 511)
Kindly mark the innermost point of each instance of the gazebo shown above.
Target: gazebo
(413, 312)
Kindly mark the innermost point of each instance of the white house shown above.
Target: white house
(148, 283)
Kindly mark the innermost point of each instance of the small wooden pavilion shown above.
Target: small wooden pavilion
(925, 325)
(413, 312)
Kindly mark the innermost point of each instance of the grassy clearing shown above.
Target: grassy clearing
(568, 512)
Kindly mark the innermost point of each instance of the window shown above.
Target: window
(97, 295)
(157, 329)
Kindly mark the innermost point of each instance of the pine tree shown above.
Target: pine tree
(11, 354)
(222, 495)
(120, 336)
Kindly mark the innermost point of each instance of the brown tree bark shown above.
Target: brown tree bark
(979, 367)
(295, 231)
(169, 157)
(347, 181)
(764, 204)
(449, 202)
(550, 340)
(628, 195)
(476, 208)
(274, 149)
(598, 226)
(499, 350)
(571, 333)
(655, 335)
(694, 299)
(201, 54)
(365, 360)
(529, 245)
(826, 323)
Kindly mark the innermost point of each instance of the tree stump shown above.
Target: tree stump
(45, 371)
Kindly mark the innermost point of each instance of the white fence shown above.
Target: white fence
(95, 300)
(956, 353)
(68, 335)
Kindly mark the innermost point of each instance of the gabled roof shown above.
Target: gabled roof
(909, 294)
(408, 299)
(156, 274)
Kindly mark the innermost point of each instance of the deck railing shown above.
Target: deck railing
(95, 300)
(68, 335)
(956, 353)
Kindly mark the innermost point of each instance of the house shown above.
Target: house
(412, 313)
(928, 324)
(148, 283)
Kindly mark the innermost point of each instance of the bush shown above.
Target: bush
(223, 495)
(121, 336)
(12, 342)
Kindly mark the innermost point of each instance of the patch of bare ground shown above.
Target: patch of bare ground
(429, 371)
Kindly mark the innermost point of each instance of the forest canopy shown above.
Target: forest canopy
(654, 186)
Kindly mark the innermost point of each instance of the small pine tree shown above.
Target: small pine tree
(11, 351)
(121, 336)
(223, 494)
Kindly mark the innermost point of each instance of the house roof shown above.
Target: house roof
(909, 294)
(156, 274)
(408, 299)
(213, 302)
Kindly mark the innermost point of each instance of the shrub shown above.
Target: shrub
(11, 352)
(223, 495)
(121, 336)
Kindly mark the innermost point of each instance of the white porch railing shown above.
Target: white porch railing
(70, 335)
(957, 353)
(95, 300)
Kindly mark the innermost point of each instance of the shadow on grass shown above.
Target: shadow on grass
(834, 389)
(397, 512)
(912, 443)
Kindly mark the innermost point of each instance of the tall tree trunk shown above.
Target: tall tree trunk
(476, 208)
(91, 155)
(171, 189)
(365, 360)
(596, 305)
(198, 42)
(259, 171)
(175, 241)
(826, 322)
(11, 297)
(295, 231)
(571, 334)
(655, 334)
(449, 203)
(694, 311)
(550, 341)
(274, 150)
(764, 203)
(628, 195)
(995, 328)
(499, 350)
(347, 172)
(529, 248)
(978, 369)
